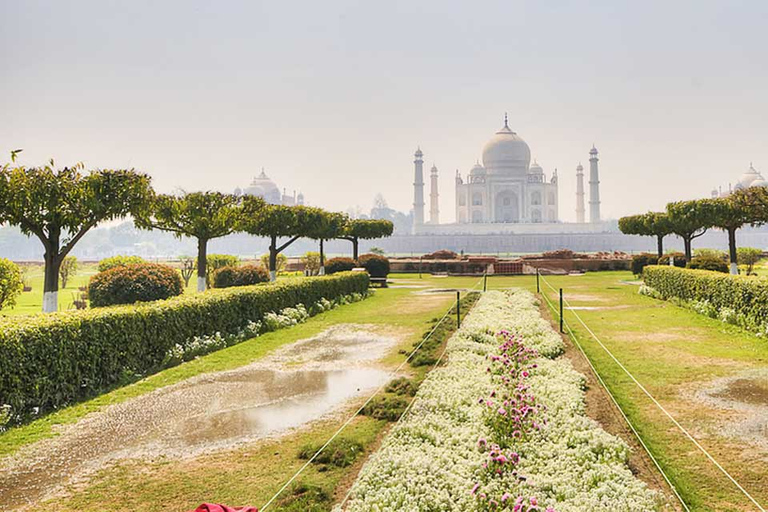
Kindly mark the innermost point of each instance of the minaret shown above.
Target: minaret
(418, 191)
(580, 194)
(434, 209)
(594, 187)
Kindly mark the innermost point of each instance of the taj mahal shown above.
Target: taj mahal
(506, 193)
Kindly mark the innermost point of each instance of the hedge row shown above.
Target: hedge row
(49, 361)
(746, 296)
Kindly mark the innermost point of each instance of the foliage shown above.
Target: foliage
(335, 265)
(678, 261)
(708, 262)
(341, 452)
(281, 261)
(243, 275)
(749, 256)
(143, 282)
(119, 261)
(188, 266)
(83, 353)
(375, 265)
(67, 269)
(689, 220)
(442, 254)
(311, 261)
(377, 250)
(11, 283)
(745, 296)
(385, 407)
(214, 262)
(647, 224)
(710, 253)
(641, 260)
(60, 206)
(200, 215)
(368, 229)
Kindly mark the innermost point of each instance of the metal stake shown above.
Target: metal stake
(458, 308)
(485, 281)
(538, 286)
(561, 311)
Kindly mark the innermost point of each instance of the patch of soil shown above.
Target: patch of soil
(747, 391)
(597, 308)
(601, 408)
(586, 297)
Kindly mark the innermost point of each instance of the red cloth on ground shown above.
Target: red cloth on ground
(211, 507)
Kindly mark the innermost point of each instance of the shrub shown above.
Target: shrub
(442, 254)
(746, 296)
(49, 361)
(377, 266)
(748, 256)
(280, 263)
(340, 452)
(311, 261)
(134, 283)
(214, 262)
(335, 265)
(712, 263)
(11, 283)
(385, 407)
(710, 253)
(244, 275)
(119, 261)
(641, 260)
(679, 259)
(67, 269)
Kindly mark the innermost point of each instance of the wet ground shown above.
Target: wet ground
(746, 396)
(297, 384)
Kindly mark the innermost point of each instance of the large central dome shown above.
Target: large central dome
(506, 151)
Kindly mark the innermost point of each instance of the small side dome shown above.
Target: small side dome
(761, 182)
(535, 168)
(477, 169)
(748, 178)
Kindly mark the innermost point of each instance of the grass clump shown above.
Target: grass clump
(385, 407)
(402, 387)
(341, 452)
(304, 497)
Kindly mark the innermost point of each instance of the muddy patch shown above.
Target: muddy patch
(297, 384)
(745, 396)
(597, 308)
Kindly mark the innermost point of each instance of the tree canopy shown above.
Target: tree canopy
(647, 224)
(689, 220)
(365, 229)
(60, 206)
(200, 215)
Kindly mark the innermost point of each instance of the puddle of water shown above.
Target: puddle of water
(205, 413)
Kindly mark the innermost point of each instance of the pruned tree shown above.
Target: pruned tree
(647, 224)
(330, 225)
(60, 206)
(67, 269)
(187, 268)
(689, 220)
(200, 215)
(730, 214)
(278, 221)
(749, 257)
(365, 229)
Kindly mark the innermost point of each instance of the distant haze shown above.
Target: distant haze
(333, 97)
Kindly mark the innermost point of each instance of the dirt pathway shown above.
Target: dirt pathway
(297, 384)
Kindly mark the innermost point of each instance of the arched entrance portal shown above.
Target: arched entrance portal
(507, 207)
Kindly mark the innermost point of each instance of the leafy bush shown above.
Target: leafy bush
(11, 283)
(385, 407)
(713, 263)
(748, 256)
(641, 260)
(311, 261)
(67, 269)
(335, 265)
(134, 283)
(442, 254)
(340, 452)
(119, 261)
(377, 266)
(280, 262)
(240, 276)
(679, 259)
(49, 361)
(214, 262)
(746, 296)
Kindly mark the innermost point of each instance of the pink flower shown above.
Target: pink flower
(474, 489)
(502, 411)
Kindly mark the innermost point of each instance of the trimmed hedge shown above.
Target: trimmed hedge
(119, 261)
(712, 263)
(377, 266)
(244, 275)
(335, 265)
(50, 361)
(679, 259)
(746, 297)
(640, 261)
(127, 284)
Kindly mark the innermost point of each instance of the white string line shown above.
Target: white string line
(346, 423)
(616, 403)
(677, 424)
(413, 399)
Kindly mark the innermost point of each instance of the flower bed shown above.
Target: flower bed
(501, 426)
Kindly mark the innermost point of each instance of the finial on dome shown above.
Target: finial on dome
(506, 121)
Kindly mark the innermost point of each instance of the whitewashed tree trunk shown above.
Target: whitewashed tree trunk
(321, 272)
(734, 268)
(201, 284)
(50, 302)
(273, 275)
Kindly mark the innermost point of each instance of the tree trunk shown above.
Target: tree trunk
(687, 244)
(321, 271)
(355, 249)
(273, 259)
(732, 250)
(51, 282)
(660, 245)
(202, 260)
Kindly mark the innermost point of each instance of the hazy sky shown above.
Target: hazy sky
(332, 97)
